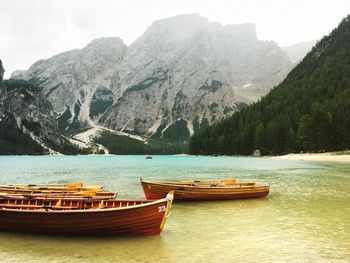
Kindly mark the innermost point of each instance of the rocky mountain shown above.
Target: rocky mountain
(297, 52)
(75, 80)
(186, 72)
(28, 122)
(181, 75)
(33, 115)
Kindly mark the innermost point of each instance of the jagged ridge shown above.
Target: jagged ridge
(182, 74)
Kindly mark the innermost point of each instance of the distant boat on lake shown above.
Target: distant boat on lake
(149, 157)
(84, 217)
(204, 190)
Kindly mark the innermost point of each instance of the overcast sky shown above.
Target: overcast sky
(35, 29)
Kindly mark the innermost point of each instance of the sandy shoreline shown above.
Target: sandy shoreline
(316, 157)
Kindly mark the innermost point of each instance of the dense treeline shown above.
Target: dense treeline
(125, 145)
(69, 149)
(308, 111)
(14, 141)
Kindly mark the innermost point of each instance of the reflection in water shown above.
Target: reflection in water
(304, 219)
(40, 248)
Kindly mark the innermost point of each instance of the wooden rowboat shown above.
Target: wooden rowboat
(47, 194)
(204, 190)
(84, 217)
(69, 190)
(54, 189)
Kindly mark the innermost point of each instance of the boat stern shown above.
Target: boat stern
(169, 198)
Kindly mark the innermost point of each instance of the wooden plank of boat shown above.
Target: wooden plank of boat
(54, 188)
(48, 192)
(93, 195)
(84, 217)
(204, 190)
(75, 184)
(225, 182)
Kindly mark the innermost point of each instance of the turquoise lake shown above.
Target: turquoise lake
(305, 218)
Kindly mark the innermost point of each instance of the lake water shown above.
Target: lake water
(305, 218)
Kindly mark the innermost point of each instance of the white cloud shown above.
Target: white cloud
(35, 29)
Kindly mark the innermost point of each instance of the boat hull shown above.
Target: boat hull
(49, 194)
(188, 193)
(145, 219)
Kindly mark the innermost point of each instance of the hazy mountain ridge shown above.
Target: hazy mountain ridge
(297, 52)
(70, 79)
(186, 71)
(181, 75)
(308, 111)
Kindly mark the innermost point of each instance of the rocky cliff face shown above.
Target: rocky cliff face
(182, 74)
(28, 122)
(186, 72)
(71, 79)
(22, 105)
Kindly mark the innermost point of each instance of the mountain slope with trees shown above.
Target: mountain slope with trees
(28, 124)
(308, 111)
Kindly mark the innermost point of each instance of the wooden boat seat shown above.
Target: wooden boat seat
(230, 182)
(102, 205)
(39, 206)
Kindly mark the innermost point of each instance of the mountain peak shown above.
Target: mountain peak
(245, 31)
(181, 27)
(175, 28)
(183, 18)
(105, 42)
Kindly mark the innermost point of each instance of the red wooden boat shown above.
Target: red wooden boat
(69, 190)
(84, 217)
(54, 194)
(204, 190)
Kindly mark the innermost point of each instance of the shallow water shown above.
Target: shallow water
(305, 218)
